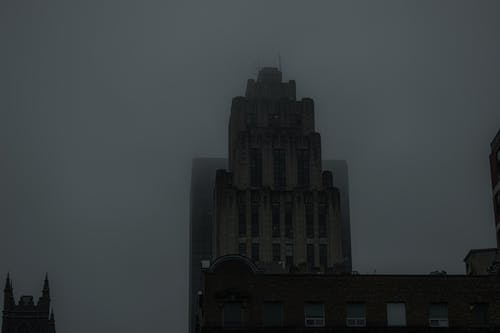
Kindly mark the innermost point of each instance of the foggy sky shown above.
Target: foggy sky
(103, 104)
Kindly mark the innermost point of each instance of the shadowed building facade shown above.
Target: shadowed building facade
(26, 316)
(275, 204)
(240, 297)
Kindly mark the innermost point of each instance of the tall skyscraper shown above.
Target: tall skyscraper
(276, 204)
(26, 316)
(495, 181)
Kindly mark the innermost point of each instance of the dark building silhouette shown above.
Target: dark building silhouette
(26, 316)
(487, 261)
(275, 204)
(240, 297)
(495, 181)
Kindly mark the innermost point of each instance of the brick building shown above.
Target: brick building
(26, 316)
(238, 297)
(275, 204)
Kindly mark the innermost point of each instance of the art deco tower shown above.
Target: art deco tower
(275, 204)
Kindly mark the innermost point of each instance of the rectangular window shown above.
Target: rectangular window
(302, 167)
(480, 314)
(255, 167)
(232, 315)
(279, 167)
(276, 252)
(309, 220)
(255, 221)
(289, 254)
(314, 314)
(323, 255)
(322, 220)
(438, 315)
(396, 314)
(255, 251)
(242, 221)
(272, 314)
(356, 316)
(275, 212)
(310, 255)
(242, 249)
(288, 220)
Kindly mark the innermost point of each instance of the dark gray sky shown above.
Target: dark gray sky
(103, 104)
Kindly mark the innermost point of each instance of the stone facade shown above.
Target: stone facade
(469, 303)
(26, 316)
(275, 203)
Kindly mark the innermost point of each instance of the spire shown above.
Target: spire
(46, 289)
(8, 284)
(8, 299)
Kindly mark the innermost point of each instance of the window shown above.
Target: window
(480, 314)
(396, 314)
(355, 315)
(279, 167)
(242, 221)
(438, 315)
(322, 220)
(289, 254)
(314, 314)
(232, 315)
(255, 251)
(288, 220)
(242, 249)
(323, 255)
(272, 314)
(275, 212)
(310, 255)
(255, 167)
(309, 220)
(276, 252)
(302, 167)
(255, 221)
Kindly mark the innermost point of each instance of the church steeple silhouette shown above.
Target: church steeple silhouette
(25, 316)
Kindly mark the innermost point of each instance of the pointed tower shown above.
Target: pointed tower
(44, 300)
(8, 299)
(52, 323)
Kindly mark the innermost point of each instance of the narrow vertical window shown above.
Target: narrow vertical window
(255, 167)
(279, 167)
(314, 314)
(323, 255)
(272, 314)
(242, 221)
(242, 249)
(309, 220)
(322, 220)
(356, 315)
(288, 220)
(396, 314)
(276, 252)
(255, 251)
(302, 167)
(438, 315)
(255, 220)
(310, 255)
(275, 212)
(289, 254)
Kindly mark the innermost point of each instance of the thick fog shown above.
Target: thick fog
(103, 105)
